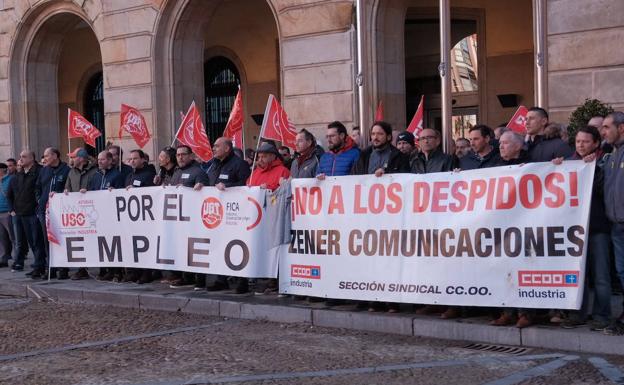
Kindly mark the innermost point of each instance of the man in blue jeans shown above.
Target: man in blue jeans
(23, 204)
(613, 129)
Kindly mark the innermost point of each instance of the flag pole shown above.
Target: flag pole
(175, 137)
(264, 121)
(68, 138)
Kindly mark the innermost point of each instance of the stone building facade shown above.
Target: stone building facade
(160, 55)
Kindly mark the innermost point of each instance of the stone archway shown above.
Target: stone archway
(46, 73)
(189, 33)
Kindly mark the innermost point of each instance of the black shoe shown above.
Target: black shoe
(217, 286)
(146, 277)
(242, 287)
(15, 268)
(51, 275)
(36, 273)
(181, 284)
(82, 273)
(63, 274)
(4, 264)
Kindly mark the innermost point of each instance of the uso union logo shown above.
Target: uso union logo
(212, 212)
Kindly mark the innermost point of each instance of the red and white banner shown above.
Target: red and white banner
(193, 134)
(276, 124)
(234, 127)
(416, 125)
(133, 122)
(207, 231)
(513, 236)
(518, 121)
(79, 127)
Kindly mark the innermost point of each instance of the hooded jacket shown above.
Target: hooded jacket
(339, 162)
(397, 162)
(78, 178)
(269, 175)
(51, 179)
(473, 161)
(105, 179)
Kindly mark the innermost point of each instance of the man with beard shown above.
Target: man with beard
(381, 157)
(342, 155)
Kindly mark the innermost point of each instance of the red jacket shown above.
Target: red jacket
(270, 175)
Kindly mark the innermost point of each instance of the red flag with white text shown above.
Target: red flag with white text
(134, 123)
(518, 121)
(234, 127)
(276, 124)
(416, 125)
(79, 127)
(193, 134)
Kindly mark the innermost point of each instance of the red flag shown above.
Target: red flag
(379, 112)
(276, 124)
(416, 125)
(134, 123)
(193, 134)
(49, 228)
(518, 121)
(79, 127)
(234, 127)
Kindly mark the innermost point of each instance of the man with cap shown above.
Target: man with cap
(78, 179)
(406, 143)
(270, 170)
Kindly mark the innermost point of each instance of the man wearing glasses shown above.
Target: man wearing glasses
(431, 158)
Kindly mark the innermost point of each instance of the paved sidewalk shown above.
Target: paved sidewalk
(157, 296)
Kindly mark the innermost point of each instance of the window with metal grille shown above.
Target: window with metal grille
(94, 110)
(221, 81)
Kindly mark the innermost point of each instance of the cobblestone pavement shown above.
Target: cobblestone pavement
(44, 342)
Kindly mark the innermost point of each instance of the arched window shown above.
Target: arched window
(221, 81)
(94, 110)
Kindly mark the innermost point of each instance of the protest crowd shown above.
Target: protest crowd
(27, 185)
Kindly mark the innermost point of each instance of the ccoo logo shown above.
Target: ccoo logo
(212, 212)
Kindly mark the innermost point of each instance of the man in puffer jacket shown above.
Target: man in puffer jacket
(342, 154)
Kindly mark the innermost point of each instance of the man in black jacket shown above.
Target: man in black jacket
(431, 158)
(226, 169)
(22, 199)
(141, 176)
(381, 157)
(482, 154)
(51, 179)
(540, 147)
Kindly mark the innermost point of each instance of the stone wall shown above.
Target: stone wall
(585, 58)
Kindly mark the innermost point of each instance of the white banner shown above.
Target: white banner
(208, 231)
(510, 236)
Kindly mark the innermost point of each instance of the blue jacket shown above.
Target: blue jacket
(341, 162)
(103, 180)
(614, 184)
(4, 187)
(51, 179)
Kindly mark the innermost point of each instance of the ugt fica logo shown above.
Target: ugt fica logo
(212, 212)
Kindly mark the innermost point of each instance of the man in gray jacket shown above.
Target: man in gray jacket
(306, 163)
(613, 128)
